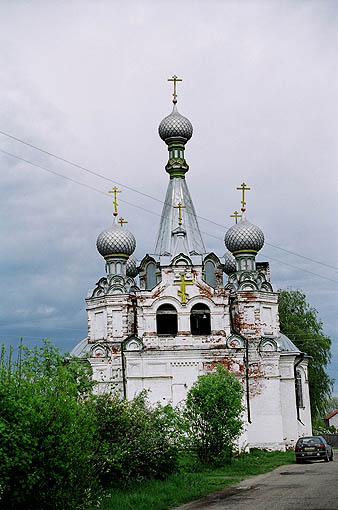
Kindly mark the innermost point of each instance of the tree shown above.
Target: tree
(299, 321)
(47, 432)
(331, 404)
(213, 414)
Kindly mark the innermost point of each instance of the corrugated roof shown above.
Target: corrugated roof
(286, 345)
(81, 349)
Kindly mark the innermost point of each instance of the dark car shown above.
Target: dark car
(313, 448)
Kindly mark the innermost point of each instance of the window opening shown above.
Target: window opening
(166, 320)
(210, 273)
(299, 389)
(151, 275)
(200, 320)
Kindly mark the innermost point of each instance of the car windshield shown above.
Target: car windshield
(309, 441)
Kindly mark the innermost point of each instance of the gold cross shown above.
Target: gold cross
(179, 206)
(244, 189)
(182, 291)
(235, 215)
(115, 190)
(122, 221)
(175, 79)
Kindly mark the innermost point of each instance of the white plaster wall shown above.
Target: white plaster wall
(266, 429)
(288, 400)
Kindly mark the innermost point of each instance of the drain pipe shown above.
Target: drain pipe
(124, 382)
(246, 356)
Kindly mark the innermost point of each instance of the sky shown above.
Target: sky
(87, 81)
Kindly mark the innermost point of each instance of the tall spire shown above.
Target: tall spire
(176, 130)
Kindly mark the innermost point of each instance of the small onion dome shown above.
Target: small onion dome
(116, 240)
(229, 263)
(131, 267)
(244, 236)
(175, 125)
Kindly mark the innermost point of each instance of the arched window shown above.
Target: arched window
(210, 273)
(166, 320)
(200, 320)
(299, 389)
(151, 275)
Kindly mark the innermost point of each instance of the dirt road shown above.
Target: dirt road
(311, 486)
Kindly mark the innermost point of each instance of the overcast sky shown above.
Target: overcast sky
(88, 82)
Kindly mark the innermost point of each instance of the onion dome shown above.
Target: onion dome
(229, 263)
(175, 125)
(244, 236)
(116, 240)
(131, 267)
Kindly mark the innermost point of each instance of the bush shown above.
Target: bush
(47, 432)
(213, 410)
(136, 441)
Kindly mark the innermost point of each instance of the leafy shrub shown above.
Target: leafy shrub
(47, 432)
(213, 415)
(136, 441)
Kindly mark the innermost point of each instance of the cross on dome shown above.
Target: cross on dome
(175, 79)
(244, 188)
(236, 215)
(121, 221)
(115, 190)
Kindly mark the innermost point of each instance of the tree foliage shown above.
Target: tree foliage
(213, 414)
(60, 445)
(299, 321)
(47, 433)
(331, 404)
(136, 440)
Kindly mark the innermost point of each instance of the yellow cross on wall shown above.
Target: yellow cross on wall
(235, 215)
(175, 79)
(115, 190)
(182, 290)
(179, 206)
(244, 189)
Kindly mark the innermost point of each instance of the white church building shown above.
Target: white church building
(160, 323)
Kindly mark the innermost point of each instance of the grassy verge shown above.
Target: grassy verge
(191, 483)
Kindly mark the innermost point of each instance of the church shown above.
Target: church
(160, 323)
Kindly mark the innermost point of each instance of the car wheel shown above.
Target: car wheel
(326, 458)
(299, 461)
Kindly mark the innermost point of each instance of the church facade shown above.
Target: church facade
(160, 323)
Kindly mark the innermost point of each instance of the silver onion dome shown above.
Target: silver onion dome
(116, 240)
(175, 125)
(131, 267)
(229, 263)
(244, 236)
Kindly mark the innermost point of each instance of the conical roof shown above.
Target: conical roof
(178, 192)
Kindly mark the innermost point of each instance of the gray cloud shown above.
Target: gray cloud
(87, 80)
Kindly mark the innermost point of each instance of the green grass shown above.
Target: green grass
(192, 482)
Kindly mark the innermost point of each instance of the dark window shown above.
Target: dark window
(151, 275)
(200, 320)
(166, 320)
(209, 269)
(299, 389)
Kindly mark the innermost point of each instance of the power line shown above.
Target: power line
(140, 207)
(301, 269)
(97, 174)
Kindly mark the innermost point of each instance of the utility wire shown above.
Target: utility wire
(140, 207)
(97, 174)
